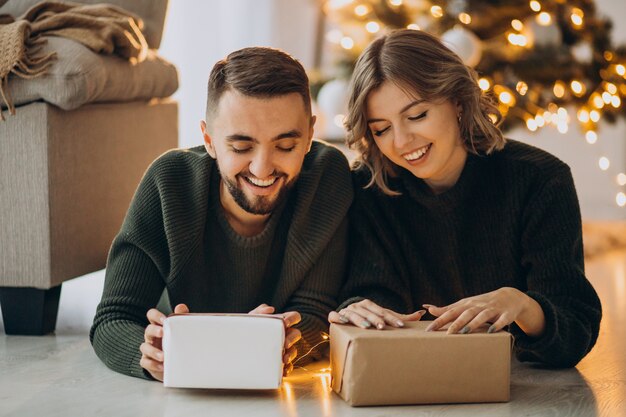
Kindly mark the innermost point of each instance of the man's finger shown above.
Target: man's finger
(153, 332)
(181, 309)
(289, 355)
(155, 316)
(292, 336)
(151, 352)
(291, 318)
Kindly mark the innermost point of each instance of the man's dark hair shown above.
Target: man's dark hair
(257, 72)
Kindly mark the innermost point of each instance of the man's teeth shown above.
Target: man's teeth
(417, 154)
(262, 183)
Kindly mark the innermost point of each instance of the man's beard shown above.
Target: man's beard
(259, 204)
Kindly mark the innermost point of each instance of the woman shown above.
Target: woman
(452, 217)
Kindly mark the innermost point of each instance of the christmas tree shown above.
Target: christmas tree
(540, 60)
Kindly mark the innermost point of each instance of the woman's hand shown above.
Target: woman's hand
(152, 348)
(292, 335)
(367, 314)
(500, 308)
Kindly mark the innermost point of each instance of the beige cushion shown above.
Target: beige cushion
(79, 76)
(152, 12)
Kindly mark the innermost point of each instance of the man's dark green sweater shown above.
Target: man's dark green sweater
(511, 220)
(175, 237)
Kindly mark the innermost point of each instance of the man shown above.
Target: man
(256, 217)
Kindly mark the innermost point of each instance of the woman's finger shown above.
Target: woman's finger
(442, 320)
(485, 316)
(460, 323)
(155, 368)
(355, 318)
(263, 309)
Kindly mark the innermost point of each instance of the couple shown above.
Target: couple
(440, 209)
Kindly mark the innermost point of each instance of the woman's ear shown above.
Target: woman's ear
(208, 141)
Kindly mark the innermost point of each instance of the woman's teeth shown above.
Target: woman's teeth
(417, 154)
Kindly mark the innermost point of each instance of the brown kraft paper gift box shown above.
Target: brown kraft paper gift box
(412, 366)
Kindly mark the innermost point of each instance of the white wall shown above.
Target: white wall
(200, 32)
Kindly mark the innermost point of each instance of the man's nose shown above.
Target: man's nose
(261, 165)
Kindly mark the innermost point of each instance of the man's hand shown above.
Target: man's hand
(152, 349)
(292, 335)
(367, 314)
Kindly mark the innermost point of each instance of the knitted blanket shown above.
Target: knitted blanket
(103, 28)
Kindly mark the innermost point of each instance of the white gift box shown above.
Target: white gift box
(235, 351)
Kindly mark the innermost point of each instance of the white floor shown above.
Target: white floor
(59, 375)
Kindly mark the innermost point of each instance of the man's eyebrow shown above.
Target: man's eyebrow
(405, 108)
(240, 138)
(295, 133)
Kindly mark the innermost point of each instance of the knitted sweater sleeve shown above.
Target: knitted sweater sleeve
(372, 274)
(134, 281)
(553, 257)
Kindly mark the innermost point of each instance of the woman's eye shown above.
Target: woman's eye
(419, 116)
(380, 132)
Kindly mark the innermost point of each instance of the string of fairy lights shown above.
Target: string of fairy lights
(548, 63)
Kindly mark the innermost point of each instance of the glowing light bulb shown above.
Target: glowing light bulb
(621, 179)
(372, 27)
(620, 69)
(484, 84)
(395, 2)
(506, 97)
(531, 124)
(606, 97)
(577, 20)
(611, 88)
(608, 55)
(436, 11)
(361, 10)
(535, 6)
(598, 102)
(562, 126)
(558, 89)
(591, 137)
(347, 42)
(583, 115)
(594, 115)
(517, 25)
(620, 199)
(562, 112)
(465, 18)
(577, 87)
(544, 18)
(413, 26)
(604, 163)
(337, 4)
(541, 121)
(616, 102)
(522, 88)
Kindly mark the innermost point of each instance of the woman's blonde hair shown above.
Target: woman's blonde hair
(419, 64)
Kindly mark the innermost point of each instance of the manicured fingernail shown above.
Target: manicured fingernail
(492, 329)
(366, 324)
(380, 326)
(465, 330)
(400, 323)
(343, 319)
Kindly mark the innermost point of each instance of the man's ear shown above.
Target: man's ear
(311, 131)
(208, 141)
